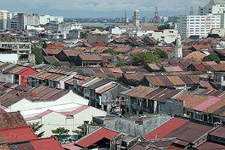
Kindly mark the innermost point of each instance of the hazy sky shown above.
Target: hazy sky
(101, 8)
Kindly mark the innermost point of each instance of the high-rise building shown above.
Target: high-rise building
(137, 18)
(22, 21)
(213, 7)
(198, 25)
(33, 20)
(145, 19)
(47, 19)
(156, 19)
(4, 18)
(178, 50)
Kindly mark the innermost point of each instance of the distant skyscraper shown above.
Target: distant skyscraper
(145, 19)
(137, 18)
(33, 19)
(156, 19)
(22, 21)
(178, 51)
(191, 11)
(4, 18)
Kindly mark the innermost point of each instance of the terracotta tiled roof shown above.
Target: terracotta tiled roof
(91, 58)
(176, 80)
(106, 88)
(11, 120)
(197, 56)
(140, 91)
(72, 52)
(122, 49)
(52, 51)
(192, 101)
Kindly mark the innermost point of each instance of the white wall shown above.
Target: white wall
(47, 18)
(55, 120)
(11, 58)
(168, 35)
(199, 25)
(25, 104)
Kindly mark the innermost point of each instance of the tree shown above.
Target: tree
(162, 27)
(56, 64)
(36, 126)
(110, 51)
(213, 36)
(43, 43)
(120, 64)
(211, 58)
(161, 54)
(143, 58)
(80, 131)
(61, 132)
(39, 59)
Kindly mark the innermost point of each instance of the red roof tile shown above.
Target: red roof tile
(46, 144)
(82, 108)
(98, 135)
(18, 134)
(165, 129)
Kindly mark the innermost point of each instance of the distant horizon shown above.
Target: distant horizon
(102, 8)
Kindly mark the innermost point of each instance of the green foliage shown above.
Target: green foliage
(36, 126)
(43, 43)
(162, 27)
(39, 59)
(110, 51)
(61, 132)
(79, 131)
(161, 54)
(56, 64)
(211, 58)
(85, 35)
(120, 64)
(213, 36)
(142, 58)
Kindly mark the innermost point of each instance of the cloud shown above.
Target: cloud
(96, 6)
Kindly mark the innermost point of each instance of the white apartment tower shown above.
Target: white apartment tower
(198, 25)
(137, 18)
(4, 18)
(178, 50)
(213, 7)
(33, 20)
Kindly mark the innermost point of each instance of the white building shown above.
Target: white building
(26, 104)
(178, 50)
(65, 28)
(167, 35)
(4, 18)
(69, 116)
(137, 18)
(198, 25)
(11, 58)
(33, 20)
(214, 7)
(47, 18)
(37, 28)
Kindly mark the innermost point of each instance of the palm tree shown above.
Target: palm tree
(36, 126)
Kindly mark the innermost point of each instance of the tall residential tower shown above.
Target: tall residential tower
(137, 18)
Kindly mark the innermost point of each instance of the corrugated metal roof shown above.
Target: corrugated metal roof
(165, 129)
(96, 136)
